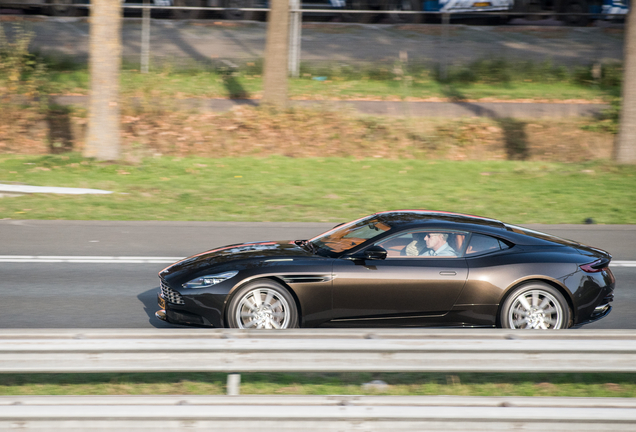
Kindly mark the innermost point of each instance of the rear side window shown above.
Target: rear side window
(481, 244)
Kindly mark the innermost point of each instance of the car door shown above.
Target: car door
(399, 285)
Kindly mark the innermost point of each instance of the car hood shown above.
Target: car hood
(243, 251)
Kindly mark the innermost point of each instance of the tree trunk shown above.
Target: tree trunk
(102, 141)
(276, 51)
(625, 147)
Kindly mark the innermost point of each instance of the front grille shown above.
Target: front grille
(170, 295)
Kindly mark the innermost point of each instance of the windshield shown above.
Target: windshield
(348, 236)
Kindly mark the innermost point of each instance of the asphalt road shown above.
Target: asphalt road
(42, 292)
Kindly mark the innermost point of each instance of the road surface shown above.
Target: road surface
(119, 292)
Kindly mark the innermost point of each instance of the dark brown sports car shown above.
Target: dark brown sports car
(397, 268)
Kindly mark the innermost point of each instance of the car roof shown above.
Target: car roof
(405, 219)
(408, 217)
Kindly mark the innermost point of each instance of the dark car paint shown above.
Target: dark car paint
(397, 285)
(342, 291)
(312, 290)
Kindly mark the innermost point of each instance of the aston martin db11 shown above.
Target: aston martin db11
(390, 269)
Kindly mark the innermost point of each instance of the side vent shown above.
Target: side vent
(296, 279)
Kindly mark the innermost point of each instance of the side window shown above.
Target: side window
(480, 244)
(425, 244)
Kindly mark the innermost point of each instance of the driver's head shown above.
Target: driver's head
(435, 240)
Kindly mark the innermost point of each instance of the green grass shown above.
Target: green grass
(319, 189)
(487, 78)
(386, 90)
(463, 384)
(211, 84)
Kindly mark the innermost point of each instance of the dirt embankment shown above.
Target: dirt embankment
(249, 131)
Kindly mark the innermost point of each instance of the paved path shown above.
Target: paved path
(409, 109)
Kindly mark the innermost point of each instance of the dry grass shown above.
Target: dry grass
(250, 131)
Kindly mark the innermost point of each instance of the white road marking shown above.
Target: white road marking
(140, 260)
(22, 189)
(87, 259)
(623, 264)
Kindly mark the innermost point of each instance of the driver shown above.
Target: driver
(437, 245)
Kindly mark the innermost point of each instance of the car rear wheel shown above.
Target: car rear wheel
(404, 5)
(184, 14)
(363, 18)
(234, 14)
(535, 306)
(63, 8)
(573, 8)
(262, 304)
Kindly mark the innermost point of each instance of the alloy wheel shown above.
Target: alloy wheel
(263, 308)
(536, 309)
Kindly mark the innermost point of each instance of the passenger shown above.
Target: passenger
(437, 245)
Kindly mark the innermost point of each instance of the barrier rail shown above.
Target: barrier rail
(315, 413)
(330, 350)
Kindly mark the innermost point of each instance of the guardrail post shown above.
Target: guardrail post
(145, 38)
(295, 25)
(233, 384)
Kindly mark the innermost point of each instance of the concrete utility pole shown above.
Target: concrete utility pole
(276, 52)
(102, 141)
(625, 147)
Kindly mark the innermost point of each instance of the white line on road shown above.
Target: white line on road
(87, 259)
(141, 260)
(623, 264)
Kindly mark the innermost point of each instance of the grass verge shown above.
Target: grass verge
(319, 189)
(386, 83)
(463, 384)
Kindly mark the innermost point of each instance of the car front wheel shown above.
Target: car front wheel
(262, 304)
(535, 306)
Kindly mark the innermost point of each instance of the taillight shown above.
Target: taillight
(596, 267)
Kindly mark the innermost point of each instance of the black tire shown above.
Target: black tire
(184, 14)
(404, 5)
(364, 18)
(69, 11)
(242, 15)
(574, 7)
(503, 19)
(535, 306)
(276, 308)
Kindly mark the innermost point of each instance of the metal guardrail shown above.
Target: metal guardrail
(331, 350)
(315, 413)
(315, 350)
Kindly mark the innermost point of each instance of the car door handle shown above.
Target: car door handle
(448, 273)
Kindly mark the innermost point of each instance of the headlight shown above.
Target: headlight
(208, 281)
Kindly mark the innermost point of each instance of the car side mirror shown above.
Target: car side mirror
(372, 253)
